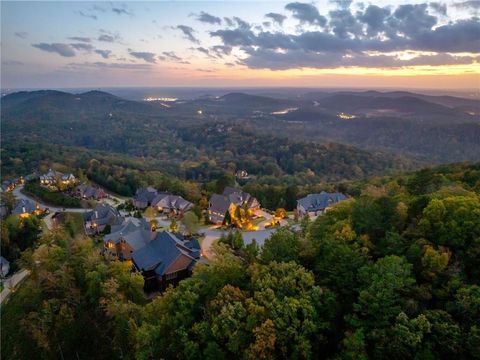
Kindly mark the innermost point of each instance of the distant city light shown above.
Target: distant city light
(166, 99)
(283, 112)
(346, 116)
(199, 112)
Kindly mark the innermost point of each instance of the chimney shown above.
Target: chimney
(96, 214)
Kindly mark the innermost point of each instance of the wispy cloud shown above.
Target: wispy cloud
(64, 50)
(207, 18)
(103, 53)
(143, 55)
(188, 33)
(21, 34)
(87, 15)
(80, 39)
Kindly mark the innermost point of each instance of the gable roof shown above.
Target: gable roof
(171, 201)
(316, 202)
(219, 203)
(161, 252)
(145, 194)
(102, 214)
(24, 206)
(136, 233)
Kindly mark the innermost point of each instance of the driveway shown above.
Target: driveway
(212, 235)
(11, 283)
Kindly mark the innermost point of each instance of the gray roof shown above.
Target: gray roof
(3, 261)
(240, 197)
(136, 233)
(218, 204)
(166, 200)
(103, 214)
(318, 202)
(24, 206)
(88, 191)
(161, 252)
(145, 194)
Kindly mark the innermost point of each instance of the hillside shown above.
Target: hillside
(186, 147)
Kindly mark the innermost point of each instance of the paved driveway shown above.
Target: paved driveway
(11, 283)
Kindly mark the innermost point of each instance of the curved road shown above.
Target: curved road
(17, 192)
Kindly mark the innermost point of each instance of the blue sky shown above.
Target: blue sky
(248, 43)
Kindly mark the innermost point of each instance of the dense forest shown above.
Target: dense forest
(392, 273)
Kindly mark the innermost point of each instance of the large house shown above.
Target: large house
(25, 208)
(161, 201)
(103, 215)
(220, 205)
(124, 239)
(144, 197)
(316, 204)
(171, 204)
(166, 260)
(56, 178)
(89, 192)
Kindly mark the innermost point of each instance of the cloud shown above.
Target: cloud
(103, 53)
(207, 18)
(342, 4)
(188, 33)
(440, 8)
(107, 66)
(170, 55)
(356, 39)
(277, 18)
(106, 38)
(87, 15)
(21, 34)
(473, 4)
(146, 56)
(80, 39)
(64, 50)
(12, 63)
(121, 10)
(203, 50)
(306, 13)
(82, 46)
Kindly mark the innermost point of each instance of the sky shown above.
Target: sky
(375, 44)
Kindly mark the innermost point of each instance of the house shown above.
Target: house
(8, 185)
(133, 234)
(56, 178)
(316, 204)
(242, 175)
(221, 204)
(4, 267)
(97, 219)
(25, 208)
(89, 192)
(166, 260)
(171, 204)
(144, 197)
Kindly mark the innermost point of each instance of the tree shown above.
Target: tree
(190, 221)
(150, 213)
(173, 225)
(281, 213)
(283, 245)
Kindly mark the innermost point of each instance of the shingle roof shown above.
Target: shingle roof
(160, 253)
(136, 233)
(102, 214)
(317, 202)
(145, 194)
(24, 206)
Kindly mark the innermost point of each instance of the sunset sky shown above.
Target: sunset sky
(242, 43)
